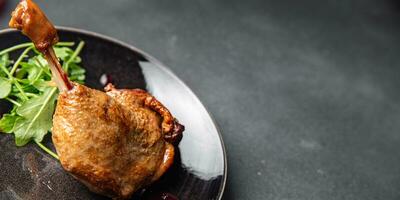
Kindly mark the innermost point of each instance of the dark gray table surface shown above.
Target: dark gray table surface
(306, 93)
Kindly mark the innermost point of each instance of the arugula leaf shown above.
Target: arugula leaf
(26, 83)
(4, 59)
(5, 87)
(36, 117)
(7, 123)
(30, 70)
(4, 62)
(41, 85)
(76, 73)
(63, 52)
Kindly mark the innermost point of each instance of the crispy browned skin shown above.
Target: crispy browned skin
(30, 19)
(112, 141)
(133, 99)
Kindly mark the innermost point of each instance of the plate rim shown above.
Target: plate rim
(165, 69)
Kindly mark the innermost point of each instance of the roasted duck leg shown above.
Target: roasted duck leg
(115, 142)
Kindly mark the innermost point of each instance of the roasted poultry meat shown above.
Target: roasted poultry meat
(115, 142)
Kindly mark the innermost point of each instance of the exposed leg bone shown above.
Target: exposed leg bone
(31, 20)
(59, 76)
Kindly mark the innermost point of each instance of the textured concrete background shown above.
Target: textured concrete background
(306, 93)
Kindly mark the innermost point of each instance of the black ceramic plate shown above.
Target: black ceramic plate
(199, 171)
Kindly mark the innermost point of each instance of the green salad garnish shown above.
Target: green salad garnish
(26, 83)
